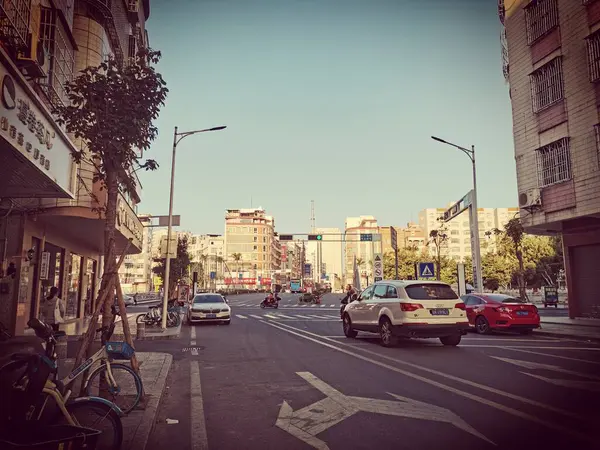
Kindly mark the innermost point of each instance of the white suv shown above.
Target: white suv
(419, 309)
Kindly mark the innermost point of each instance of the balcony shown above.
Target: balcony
(14, 22)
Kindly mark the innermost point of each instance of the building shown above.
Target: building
(291, 261)
(250, 247)
(411, 236)
(554, 75)
(136, 271)
(207, 255)
(458, 245)
(363, 251)
(52, 233)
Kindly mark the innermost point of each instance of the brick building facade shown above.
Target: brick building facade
(554, 74)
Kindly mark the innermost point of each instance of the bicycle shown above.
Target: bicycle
(154, 317)
(22, 378)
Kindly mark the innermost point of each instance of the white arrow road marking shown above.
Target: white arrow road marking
(539, 366)
(313, 419)
(593, 386)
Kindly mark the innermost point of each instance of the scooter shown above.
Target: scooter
(270, 302)
(345, 302)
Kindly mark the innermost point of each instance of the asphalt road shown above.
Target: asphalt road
(229, 385)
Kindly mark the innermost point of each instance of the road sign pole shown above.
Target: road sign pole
(476, 250)
(396, 262)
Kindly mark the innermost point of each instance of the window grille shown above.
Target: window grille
(547, 85)
(593, 45)
(541, 16)
(14, 22)
(554, 163)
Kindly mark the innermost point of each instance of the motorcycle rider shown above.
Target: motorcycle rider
(350, 294)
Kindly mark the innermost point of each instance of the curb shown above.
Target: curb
(566, 336)
(571, 324)
(142, 433)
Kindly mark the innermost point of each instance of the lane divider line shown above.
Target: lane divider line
(445, 387)
(199, 438)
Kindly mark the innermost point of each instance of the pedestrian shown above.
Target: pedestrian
(53, 310)
(135, 298)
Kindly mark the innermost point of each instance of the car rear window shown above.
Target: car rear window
(208, 299)
(502, 298)
(426, 291)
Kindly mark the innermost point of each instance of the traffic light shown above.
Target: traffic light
(286, 237)
(315, 237)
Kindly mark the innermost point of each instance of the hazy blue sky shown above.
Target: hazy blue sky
(331, 100)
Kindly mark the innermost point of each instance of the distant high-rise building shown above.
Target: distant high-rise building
(364, 251)
(458, 245)
(250, 243)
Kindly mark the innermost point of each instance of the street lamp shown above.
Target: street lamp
(478, 279)
(177, 137)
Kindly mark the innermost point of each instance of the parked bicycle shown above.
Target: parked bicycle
(154, 316)
(26, 390)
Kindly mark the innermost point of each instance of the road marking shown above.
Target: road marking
(323, 306)
(304, 306)
(256, 317)
(315, 316)
(193, 333)
(520, 349)
(301, 316)
(593, 386)
(199, 439)
(271, 316)
(332, 305)
(284, 316)
(539, 366)
(241, 316)
(192, 343)
(470, 338)
(536, 347)
(503, 393)
(313, 419)
(332, 316)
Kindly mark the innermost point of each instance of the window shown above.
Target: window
(62, 60)
(132, 47)
(541, 16)
(597, 131)
(454, 232)
(391, 292)
(593, 46)
(554, 163)
(455, 241)
(547, 85)
(380, 291)
(427, 291)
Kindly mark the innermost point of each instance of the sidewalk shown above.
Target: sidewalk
(151, 332)
(584, 329)
(137, 425)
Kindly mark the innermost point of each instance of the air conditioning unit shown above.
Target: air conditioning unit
(530, 198)
(34, 62)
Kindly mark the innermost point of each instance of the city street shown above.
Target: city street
(287, 378)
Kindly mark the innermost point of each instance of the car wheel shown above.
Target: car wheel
(349, 332)
(452, 340)
(385, 333)
(482, 326)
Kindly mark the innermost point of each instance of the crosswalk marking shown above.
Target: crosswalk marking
(303, 317)
(271, 316)
(256, 317)
(332, 316)
(241, 316)
(284, 316)
(323, 306)
(332, 305)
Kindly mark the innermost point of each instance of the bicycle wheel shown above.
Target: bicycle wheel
(127, 392)
(97, 416)
(142, 318)
(176, 318)
(171, 320)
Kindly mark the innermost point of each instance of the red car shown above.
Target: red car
(489, 312)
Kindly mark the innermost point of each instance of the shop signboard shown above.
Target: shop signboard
(27, 127)
(44, 265)
(128, 223)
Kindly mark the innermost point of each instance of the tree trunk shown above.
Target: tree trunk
(521, 275)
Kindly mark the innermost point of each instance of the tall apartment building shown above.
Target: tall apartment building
(554, 75)
(136, 271)
(250, 233)
(411, 236)
(458, 245)
(51, 232)
(291, 261)
(364, 251)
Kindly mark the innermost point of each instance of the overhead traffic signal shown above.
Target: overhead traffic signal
(315, 237)
(286, 237)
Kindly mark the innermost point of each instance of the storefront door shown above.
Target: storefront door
(51, 269)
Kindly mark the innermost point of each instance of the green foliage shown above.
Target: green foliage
(179, 265)
(408, 258)
(113, 108)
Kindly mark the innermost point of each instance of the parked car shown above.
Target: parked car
(489, 312)
(209, 307)
(409, 309)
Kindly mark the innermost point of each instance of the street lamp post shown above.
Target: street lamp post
(177, 137)
(476, 250)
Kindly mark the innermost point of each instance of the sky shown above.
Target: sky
(332, 101)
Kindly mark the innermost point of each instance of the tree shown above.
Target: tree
(514, 233)
(178, 268)
(237, 257)
(439, 239)
(112, 109)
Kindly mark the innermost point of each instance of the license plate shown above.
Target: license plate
(522, 313)
(439, 312)
(211, 316)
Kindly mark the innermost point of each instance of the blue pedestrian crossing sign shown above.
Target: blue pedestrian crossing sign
(426, 270)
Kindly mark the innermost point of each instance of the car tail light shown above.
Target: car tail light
(503, 309)
(460, 305)
(410, 306)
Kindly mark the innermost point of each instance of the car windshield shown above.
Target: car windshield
(426, 291)
(504, 298)
(198, 299)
